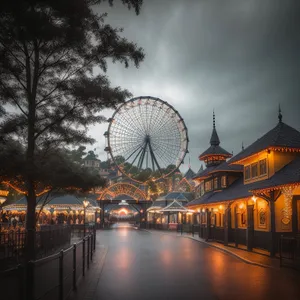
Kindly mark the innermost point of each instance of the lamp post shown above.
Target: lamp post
(2, 200)
(85, 205)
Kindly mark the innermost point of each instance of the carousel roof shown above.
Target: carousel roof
(281, 136)
(236, 190)
(175, 206)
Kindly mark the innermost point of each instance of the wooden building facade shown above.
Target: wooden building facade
(253, 198)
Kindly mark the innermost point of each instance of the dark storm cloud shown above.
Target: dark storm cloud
(240, 57)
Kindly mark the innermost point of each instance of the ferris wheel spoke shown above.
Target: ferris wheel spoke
(139, 146)
(141, 159)
(132, 122)
(154, 160)
(126, 125)
(132, 164)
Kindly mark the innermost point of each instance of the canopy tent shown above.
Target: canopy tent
(57, 202)
(176, 206)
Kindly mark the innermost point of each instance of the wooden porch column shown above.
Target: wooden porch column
(272, 229)
(294, 214)
(208, 224)
(227, 225)
(168, 217)
(250, 227)
(236, 225)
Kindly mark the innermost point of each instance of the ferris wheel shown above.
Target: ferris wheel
(146, 138)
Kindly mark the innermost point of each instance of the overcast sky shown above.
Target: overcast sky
(239, 57)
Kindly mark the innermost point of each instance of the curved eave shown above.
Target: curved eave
(274, 188)
(232, 171)
(272, 148)
(202, 177)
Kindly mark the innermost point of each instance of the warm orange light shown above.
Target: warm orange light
(241, 206)
(254, 198)
(220, 206)
(123, 211)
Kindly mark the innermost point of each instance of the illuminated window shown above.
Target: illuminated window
(247, 172)
(216, 183)
(254, 170)
(208, 186)
(223, 181)
(201, 188)
(263, 167)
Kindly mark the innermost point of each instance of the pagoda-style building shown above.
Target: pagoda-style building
(254, 198)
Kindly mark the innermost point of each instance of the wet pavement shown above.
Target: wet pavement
(143, 265)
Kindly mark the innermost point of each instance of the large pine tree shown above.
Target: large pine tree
(48, 92)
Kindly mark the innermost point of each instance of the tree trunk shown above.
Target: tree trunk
(31, 195)
(30, 222)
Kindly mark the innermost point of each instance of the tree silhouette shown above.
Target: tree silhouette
(49, 51)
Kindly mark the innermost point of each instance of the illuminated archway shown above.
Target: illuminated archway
(118, 189)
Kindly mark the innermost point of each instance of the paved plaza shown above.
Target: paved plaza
(134, 264)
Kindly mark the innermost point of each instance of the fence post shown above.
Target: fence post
(88, 252)
(74, 267)
(83, 257)
(30, 281)
(95, 239)
(92, 243)
(21, 281)
(61, 275)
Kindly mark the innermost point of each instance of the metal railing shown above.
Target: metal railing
(289, 251)
(52, 277)
(48, 240)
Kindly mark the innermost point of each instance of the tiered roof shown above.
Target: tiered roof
(281, 138)
(215, 148)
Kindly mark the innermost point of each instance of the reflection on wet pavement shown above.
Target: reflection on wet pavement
(141, 265)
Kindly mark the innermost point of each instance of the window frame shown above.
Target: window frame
(257, 169)
(265, 166)
(224, 179)
(247, 168)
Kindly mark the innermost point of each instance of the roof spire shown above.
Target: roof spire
(214, 140)
(243, 148)
(279, 114)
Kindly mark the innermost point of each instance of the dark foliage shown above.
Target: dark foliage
(49, 51)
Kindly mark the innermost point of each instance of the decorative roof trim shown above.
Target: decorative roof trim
(272, 148)
(274, 188)
(201, 157)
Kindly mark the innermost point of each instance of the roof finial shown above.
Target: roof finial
(189, 162)
(279, 115)
(214, 119)
(243, 146)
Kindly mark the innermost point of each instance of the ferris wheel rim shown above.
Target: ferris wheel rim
(117, 111)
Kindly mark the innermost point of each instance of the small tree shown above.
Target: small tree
(48, 52)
